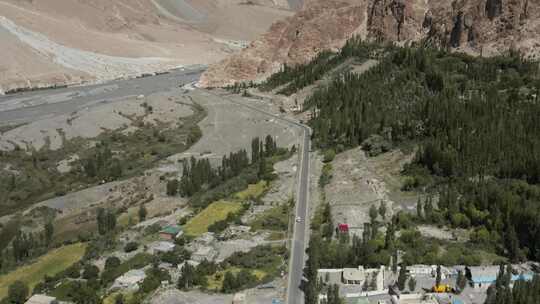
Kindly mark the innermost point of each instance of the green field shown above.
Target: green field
(215, 212)
(49, 264)
(253, 191)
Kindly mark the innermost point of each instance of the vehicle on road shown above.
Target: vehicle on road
(298, 219)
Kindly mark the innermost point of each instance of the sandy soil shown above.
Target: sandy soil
(90, 122)
(253, 296)
(229, 128)
(68, 41)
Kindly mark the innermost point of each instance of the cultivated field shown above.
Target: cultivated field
(49, 264)
(217, 211)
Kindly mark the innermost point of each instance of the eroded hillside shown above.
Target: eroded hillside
(58, 42)
(484, 27)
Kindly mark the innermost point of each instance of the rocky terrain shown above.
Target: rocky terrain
(58, 42)
(480, 27)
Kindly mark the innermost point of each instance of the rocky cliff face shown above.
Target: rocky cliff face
(484, 27)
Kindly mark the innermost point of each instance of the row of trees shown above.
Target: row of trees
(199, 175)
(522, 292)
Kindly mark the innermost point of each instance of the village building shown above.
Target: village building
(204, 253)
(171, 233)
(483, 277)
(239, 298)
(129, 280)
(330, 276)
(41, 299)
(160, 247)
(191, 263)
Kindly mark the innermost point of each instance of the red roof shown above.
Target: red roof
(343, 227)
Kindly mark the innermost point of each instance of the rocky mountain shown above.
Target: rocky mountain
(481, 27)
(55, 42)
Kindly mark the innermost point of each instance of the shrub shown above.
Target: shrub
(131, 246)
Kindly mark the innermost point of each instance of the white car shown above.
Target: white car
(298, 219)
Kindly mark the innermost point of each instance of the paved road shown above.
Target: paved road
(30, 106)
(296, 265)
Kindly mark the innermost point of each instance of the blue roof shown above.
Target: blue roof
(457, 301)
(524, 277)
(484, 279)
(492, 279)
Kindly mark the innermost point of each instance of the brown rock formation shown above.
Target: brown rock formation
(485, 27)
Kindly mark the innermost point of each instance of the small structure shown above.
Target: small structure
(483, 277)
(343, 228)
(171, 233)
(353, 275)
(239, 298)
(204, 253)
(41, 299)
(191, 263)
(160, 247)
(357, 300)
(330, 276)
(129, 280)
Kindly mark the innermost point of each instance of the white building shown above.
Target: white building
(129, 280)
(161, 247)
(41, 299)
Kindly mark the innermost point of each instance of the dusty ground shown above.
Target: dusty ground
(360, 182)
(253, 296)
(229, 128)
(91, 122)
(68, 41)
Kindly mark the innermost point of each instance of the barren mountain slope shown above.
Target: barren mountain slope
(475, 26)
(57, 41)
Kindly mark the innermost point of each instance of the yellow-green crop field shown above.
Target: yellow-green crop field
(49, 264)
(217, 211)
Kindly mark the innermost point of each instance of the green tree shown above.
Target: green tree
(91, 272)
(229, 282)
(402, 277)
(112, 262)
(187, 277)
(373, 213)
(461, 281)
(382, 209)
(438, 278)
(17, 292)
(49, 232)
(419, 209)
(412, 284)
(172, 187)
(142, 213)
(119, 299)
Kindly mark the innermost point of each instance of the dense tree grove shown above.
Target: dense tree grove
(476, 121)
(522, 292)
(199, 173)
(106, 221)
(294, 78)
(204, 183)
(102, 164)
